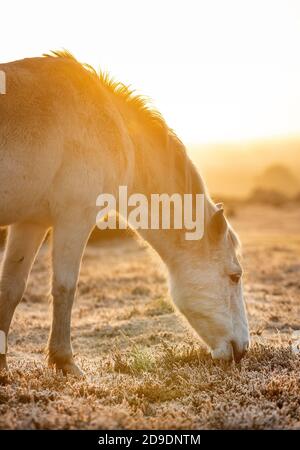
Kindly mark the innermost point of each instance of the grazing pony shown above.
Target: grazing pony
(68, 134)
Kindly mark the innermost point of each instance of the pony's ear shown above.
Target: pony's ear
(217, 226)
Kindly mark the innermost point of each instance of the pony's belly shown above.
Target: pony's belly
(17, 203)
(10, 215)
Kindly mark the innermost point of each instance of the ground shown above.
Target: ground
(144, 367)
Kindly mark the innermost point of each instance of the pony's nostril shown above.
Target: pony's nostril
(238, 353)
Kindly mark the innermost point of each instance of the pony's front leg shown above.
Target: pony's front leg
(23, 242)
(69, 240)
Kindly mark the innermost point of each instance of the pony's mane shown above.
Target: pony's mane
(140, 103)
(142, 106)
(146, 112)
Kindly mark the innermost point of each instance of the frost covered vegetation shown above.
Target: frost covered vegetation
(144, 367)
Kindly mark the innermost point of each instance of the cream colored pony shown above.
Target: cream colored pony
(68, 134)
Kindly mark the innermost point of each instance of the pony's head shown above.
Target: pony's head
(206, 285)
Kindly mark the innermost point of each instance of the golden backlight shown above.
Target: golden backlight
(225, 75)
(217, 70)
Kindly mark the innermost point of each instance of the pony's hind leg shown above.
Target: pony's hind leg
(69, 240)
(22, 245)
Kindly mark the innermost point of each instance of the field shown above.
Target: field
(144, 367)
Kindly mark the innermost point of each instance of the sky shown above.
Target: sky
(217, 70)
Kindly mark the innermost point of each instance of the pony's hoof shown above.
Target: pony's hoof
(69, 369)
(3, 363)
(64, 364)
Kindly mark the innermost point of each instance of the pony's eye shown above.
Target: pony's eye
(235, 277)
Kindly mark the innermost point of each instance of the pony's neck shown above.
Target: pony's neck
(163, 166)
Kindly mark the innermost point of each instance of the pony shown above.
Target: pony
(68, 133)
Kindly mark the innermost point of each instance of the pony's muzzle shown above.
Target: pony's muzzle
(239, 351)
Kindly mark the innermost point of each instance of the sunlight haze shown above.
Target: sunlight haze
(216, 70)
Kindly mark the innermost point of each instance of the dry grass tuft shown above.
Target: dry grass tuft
(135, 361)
